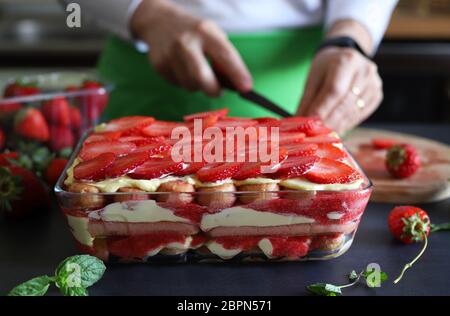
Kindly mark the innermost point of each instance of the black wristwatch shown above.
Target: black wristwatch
(343, 41)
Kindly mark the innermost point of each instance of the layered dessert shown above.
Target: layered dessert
(260, 189)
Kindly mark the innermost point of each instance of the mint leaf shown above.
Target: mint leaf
(35, 287)
(324, 289)
(74, 291)
(353, 275)
(79, 271)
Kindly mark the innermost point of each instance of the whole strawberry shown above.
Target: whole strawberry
(402, 161)
(54, 170)
(31, 124)
(409, 224)
(21, 192)
(17, 89)
(60, 138)
(57, 111)
(2, 139)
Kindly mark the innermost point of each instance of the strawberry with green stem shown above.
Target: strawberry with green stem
(410, 224)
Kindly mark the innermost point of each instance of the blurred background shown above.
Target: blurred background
(414, 58)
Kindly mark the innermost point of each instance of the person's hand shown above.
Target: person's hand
(181, 44)
(343, 88)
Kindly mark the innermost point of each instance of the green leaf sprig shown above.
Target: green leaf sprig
(327, 289)
(72, 276)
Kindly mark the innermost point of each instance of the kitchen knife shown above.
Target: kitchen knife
(252, 96)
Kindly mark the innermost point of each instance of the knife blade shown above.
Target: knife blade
(252, 96)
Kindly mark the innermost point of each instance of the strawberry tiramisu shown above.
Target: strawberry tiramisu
(128, 196)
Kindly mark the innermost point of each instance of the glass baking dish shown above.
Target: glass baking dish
(62, 105)
(329, 220)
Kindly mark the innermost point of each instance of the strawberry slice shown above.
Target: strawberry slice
(383, 143)
(327, 171)
(154, 149)
(318, 129)
(235, 122)
(299, 124)
(248, 170)
(94, 169)
(132, 139)
(217, 113)
(150, 140)
(92, 150)
(97, 137)
(218, 171)
(128, 125)
(302, 149)
(156, 168)
(294, 167)
(160, 128)
(291, 138)
(331, 152)
(322, 139)
(192, 168)
(125, 164)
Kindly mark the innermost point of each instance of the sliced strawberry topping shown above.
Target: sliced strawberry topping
(156, 168)
(248, 170)
(235, 122)
(97, 137)
(154, 149)
(128, 125)
(294, 167)
(330, 171)
(331, 152)
(291, 138)
(150, 140)
(318, 129)
(383, 143)
(161, 128)
(239, 242)
(299, 124)
(218, 171)
(192, 168)
(94, 169)
(132, 139)
(92, 150)
(322, 139)
(218, 113)
(125, 164)
(302, 149)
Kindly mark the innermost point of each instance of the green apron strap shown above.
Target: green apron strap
(279, 62)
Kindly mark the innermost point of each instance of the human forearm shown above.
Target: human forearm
(355, 30)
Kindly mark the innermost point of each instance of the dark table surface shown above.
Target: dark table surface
(35, 247)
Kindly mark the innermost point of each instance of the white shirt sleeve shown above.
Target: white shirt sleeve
(373, 14)
(112, 15)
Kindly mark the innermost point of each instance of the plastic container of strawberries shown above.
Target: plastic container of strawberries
(334, 219)
(55, 109)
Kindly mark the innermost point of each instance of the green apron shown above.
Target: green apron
(278, 61)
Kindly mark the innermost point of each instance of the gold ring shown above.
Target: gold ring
(360, 103)
(356, 91)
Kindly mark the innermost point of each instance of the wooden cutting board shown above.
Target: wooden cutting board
(430, 184)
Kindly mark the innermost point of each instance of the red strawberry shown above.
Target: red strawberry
(156, 168)
(21, 192)
(235, 122)
(7, 108)
(92, 150)
(409, 224)
(291, 138)
(75, 117)
(302, 149)
(330, 171)
(17, 89)
(299, 124)
(94, 169)
(5, 158)
(131, 125)
(402, 161)
(150, 140)
(294, 167)
(153, 149)
(57, 111)
(60, 138)
(192, 168)
(125, 164)
(248, 170)
(290, 247)
(100, 98)
(54, 170)
(265, 120)
(331, 152)
(2, 139)
(136, 139)
(98, 137)
(319, 129)
(217, 113)
(160, 128)
(383, 143)
(30, 123)
(322, 139)
(218, 171)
